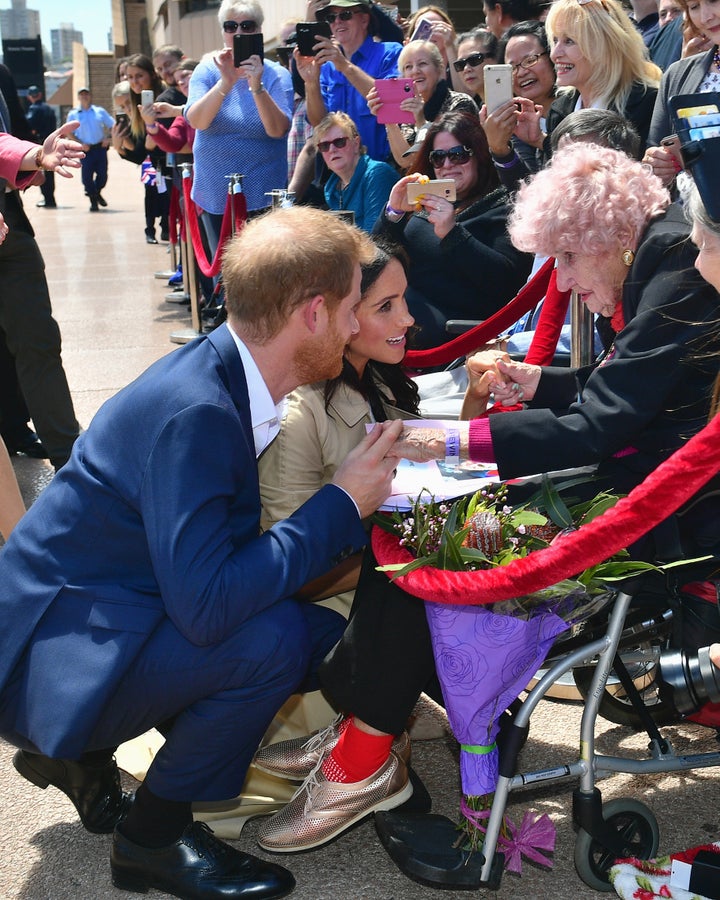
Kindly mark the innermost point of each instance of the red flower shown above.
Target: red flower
(642, 894)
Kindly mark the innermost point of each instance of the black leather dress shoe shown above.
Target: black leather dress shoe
(29, 444)
(94, 790)
(150, 239)
(101, 200)
(198, 866)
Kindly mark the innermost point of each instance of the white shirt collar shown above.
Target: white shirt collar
(264, 414)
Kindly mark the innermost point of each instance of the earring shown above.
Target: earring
(628, 257)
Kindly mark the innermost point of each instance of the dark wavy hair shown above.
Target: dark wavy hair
(529, 28)
(469, 132)
(402, 391)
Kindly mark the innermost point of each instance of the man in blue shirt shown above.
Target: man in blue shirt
(95, 122)
(345, 68)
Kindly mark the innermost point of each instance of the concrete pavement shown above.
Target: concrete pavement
(115, 322)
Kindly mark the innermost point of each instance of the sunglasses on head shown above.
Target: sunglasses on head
(324, 146)
(457, 154)
(344, 15)
(473, 60)
(248, 25)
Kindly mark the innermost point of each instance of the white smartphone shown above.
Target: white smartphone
(146, 98)
(498, 85)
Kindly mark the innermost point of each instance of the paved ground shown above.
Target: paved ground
(115, 322)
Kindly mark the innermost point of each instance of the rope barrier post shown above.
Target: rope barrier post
(281, 198)
(234, 188)
(190, 278)
(173, 249)
(582, 332)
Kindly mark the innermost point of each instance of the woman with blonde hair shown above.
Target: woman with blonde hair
(600, 61)
(423, 63)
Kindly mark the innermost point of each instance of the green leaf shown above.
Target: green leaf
(554, 506)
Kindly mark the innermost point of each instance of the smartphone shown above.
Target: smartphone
(307, 34)
(498, 85)
(123, 120)
(146, 98)
(672, 143)
(392, 91)
(439, 187)
(245, 46)
(423, 30)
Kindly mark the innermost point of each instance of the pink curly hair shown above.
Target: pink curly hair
(585, 201)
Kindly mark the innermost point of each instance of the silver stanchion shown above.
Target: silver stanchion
(582, 332)
(281, 198)
(190, 278)
(173, 250)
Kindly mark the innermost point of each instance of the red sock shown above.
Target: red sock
(356, 755)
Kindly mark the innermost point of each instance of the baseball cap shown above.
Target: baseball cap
(34, 89)
(84, 90)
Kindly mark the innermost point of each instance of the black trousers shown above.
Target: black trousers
(384, 660)
(33, 336)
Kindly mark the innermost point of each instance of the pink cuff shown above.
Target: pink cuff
(480, 441)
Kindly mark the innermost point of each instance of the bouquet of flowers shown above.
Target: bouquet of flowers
(486, 654)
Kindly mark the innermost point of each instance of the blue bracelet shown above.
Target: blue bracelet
(452, 447)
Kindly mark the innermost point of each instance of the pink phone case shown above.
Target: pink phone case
(392, 92)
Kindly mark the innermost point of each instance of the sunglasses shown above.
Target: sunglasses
(529, 61)
(324, 146)
(344, 15)
(456, 155)
(247, 26)
(473, 60)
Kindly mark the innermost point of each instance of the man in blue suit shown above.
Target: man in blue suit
(138, 591)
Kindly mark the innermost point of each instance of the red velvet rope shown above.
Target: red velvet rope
(235, 209)
(528, 297)
(552, 318)
(658, 496)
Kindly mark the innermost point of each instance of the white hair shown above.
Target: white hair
(249, 8)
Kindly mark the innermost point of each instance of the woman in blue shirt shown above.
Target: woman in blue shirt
(357, 183)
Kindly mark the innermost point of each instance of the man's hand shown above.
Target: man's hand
(367, 471)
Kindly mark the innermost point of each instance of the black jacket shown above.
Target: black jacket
(683, 77)
(469, 274)
(650, 394)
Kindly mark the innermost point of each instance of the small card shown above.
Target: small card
(688, 111)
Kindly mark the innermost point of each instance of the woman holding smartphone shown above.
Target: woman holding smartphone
(462, 263)
(241, 116)
(141, 76)
(421, 62)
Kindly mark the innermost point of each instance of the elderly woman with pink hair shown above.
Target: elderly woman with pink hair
(624, 249)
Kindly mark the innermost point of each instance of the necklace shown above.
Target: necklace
(716, 58)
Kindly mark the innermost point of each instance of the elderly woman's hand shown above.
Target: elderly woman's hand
(499, 126)
(663, 163)
(251, 70)
(419, 444)
(229, 75)
(512, 382)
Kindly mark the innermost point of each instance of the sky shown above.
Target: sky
(92, 17)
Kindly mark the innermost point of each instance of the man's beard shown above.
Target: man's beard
(320, 360)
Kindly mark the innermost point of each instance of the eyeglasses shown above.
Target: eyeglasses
(473, 60)
(247, 26)
(528, 62)
(455, 155)
(344, 15)
(324, 146)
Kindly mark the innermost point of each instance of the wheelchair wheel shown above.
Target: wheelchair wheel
(634, 823)
(615, 704)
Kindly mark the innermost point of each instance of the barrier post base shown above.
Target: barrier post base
(184, 336)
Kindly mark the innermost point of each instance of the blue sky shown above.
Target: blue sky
(92, 17)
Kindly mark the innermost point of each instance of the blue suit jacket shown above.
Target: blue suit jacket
(155, 516)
